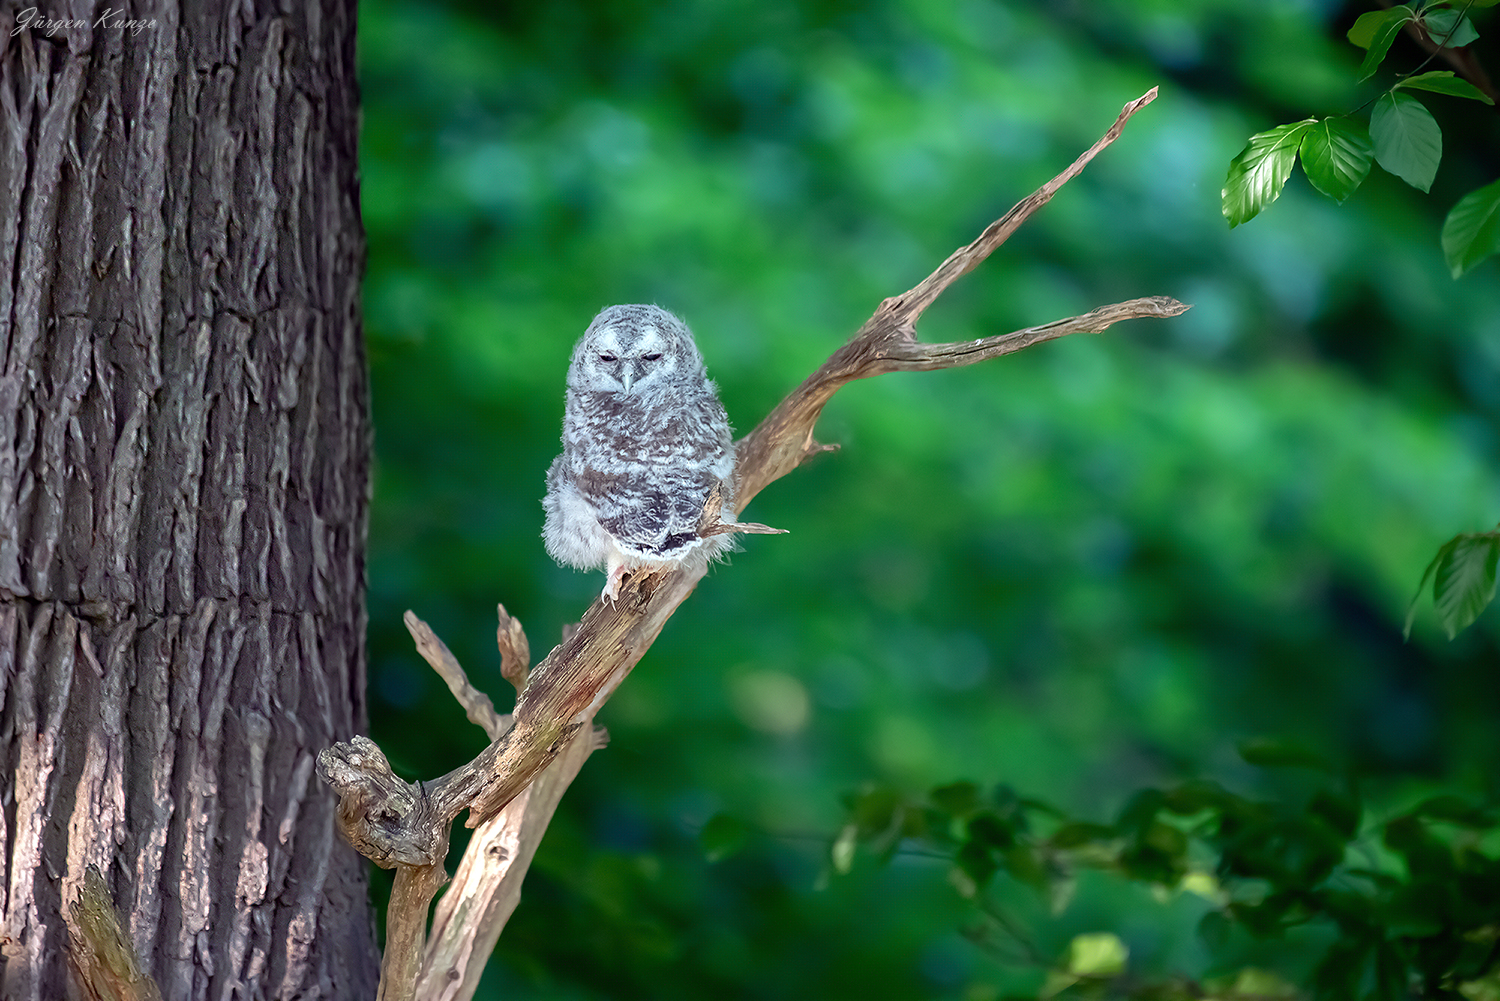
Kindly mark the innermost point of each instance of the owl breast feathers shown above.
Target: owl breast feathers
(645, 440)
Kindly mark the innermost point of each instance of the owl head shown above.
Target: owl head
(634, 349)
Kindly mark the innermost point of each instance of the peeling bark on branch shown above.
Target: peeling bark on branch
(553, 717)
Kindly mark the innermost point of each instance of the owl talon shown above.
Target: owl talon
(611, 592)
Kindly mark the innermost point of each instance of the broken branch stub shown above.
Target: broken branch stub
(389, 821)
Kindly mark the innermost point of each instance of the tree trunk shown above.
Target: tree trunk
(183, 490)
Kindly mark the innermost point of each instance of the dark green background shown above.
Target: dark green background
(1090, 567)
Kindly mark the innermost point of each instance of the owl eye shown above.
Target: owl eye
(652, 356)
(608, 356)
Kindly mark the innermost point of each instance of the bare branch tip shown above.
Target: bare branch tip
(515, 649)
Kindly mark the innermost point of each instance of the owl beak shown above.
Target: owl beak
(627, 376)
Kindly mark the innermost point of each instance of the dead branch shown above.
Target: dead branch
(470, 916)
(511, 788)
(515, 652)
(477, 705)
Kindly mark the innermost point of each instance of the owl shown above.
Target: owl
(645, 442)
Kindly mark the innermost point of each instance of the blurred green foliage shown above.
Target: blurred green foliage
(1092, 568)
(1367, 907)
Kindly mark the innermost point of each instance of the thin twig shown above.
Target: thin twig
(1463, 60)
(477, 705)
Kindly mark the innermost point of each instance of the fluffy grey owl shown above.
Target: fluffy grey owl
(645, 439)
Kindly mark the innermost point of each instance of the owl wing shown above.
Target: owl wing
(651, 502)
(651, 515)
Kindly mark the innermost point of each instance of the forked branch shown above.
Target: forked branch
(555, 709)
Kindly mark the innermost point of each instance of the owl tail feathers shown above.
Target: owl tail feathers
(710, 525)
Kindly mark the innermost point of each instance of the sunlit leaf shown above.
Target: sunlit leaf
(1471, 232)
(1464, 581)
(1336, 155)
(1408, 142)
(1253, 982)
(1259, 172)
(842, 852)
(1444, 82)
(1097, 954)
(1448, 28)
(1202, 884)
(1374, 32)
(1485, 988)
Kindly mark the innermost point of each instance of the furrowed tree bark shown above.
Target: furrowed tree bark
(512, 787)
(184, 470)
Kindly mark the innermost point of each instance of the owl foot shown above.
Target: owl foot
(611, 592)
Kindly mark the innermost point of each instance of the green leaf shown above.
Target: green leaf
(1464, 582)
(1448, 29)
(1139, 812)
(1472, 230)
(1485, 988)
(1336, 154)
(1408, 142)
(988, 829)
(957, 799)
(1453, 809)
(1444, 82)
(1025, 866)
(976, 861)
(1339, 811)
(1098, 954)
(1363, 32)
(874, 809)
(1258, 173)
(1197, 795)
(723, 836)
(841, 854)
(1079, 833)
(1268, 752)
(1411, 609)
(1375, 32)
